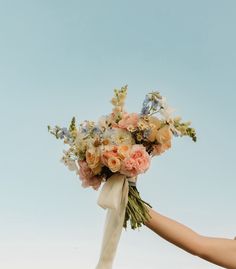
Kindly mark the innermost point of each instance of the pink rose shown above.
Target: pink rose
(143, 164)
(87, 176)
(85, 172)
(93, 182)
(129, 121)
(129, 167)
(142, 158)
(137, 162)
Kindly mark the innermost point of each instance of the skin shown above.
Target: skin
(219, 251)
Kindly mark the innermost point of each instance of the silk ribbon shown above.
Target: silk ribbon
(113, 197)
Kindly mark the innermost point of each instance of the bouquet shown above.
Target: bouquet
(114, 150)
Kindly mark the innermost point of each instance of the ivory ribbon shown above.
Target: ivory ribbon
(114, 198)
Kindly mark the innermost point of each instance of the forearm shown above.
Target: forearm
(174, 232)
(220, 251)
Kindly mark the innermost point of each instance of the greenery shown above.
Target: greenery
(136, 211)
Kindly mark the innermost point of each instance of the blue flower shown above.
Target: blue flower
(146, 100)
(97, 130)
(150, 104)
(63, 132)
(60, 135)
(84, 130)
(145, 110)
(155, 103)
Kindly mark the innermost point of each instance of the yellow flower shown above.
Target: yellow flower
(106, 141)
(139, 136)
(131, 129)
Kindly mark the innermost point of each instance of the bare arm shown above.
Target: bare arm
(220, 251)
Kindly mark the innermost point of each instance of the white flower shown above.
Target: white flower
(69, 163)
(119, 136)
(102, 122)
(166, 110)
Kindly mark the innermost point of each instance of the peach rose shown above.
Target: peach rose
(123, 151)
(114, 164)
(160, 148)
(164, 134)
(111, 152)
(155, 121)
(92, 158)
(152, 133)
(154, 125)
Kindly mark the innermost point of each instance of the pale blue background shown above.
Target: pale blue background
(64, 58)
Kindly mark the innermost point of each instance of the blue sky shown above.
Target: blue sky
(60, 59)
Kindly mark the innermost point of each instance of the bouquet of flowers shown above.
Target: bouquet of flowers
(119, 147)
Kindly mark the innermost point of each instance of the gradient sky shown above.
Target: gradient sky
(60, 59)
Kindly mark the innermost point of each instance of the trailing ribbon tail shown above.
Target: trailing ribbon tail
(114, 198)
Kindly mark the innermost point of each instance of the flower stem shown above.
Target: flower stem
(136, 211)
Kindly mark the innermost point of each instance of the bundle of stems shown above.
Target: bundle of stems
(136, 211)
